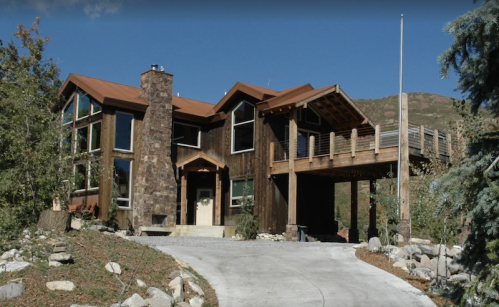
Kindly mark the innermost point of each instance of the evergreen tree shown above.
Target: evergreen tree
(472, 187)
(32, 170)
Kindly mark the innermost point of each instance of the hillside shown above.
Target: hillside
(427, 109)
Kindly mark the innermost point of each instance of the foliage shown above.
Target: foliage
(247, 224)
(113, 207)
(472, 187)
(474, 55)
(388, 212)
(31, 170)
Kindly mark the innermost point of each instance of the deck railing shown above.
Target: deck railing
(424, 140)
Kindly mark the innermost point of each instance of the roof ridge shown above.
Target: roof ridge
(105, 80)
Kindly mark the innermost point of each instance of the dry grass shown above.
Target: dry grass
(94, 285)
(381, 261)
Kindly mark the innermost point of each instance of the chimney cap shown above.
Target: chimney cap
(154, 66)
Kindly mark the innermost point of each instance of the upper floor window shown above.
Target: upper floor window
(83, 106)
(96, 107)
(187, 135)
(312, 117)
(123, 138)
(81, 140)
(243, 127)
(67, 115)
(123, 179)
(95, 136)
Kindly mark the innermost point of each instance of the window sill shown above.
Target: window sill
(241, 151)
(125, 208)
(185, 145)
(122, 150)
(80, 118)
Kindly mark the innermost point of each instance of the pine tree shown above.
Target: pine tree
(32, 171)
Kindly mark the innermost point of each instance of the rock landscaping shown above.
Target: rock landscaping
(82, 267)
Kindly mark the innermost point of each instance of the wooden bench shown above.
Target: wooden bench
(83, 209)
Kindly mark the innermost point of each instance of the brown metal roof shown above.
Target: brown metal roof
(126, 96)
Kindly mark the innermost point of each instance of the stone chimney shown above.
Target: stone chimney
(155, 190)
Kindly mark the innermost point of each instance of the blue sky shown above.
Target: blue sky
(209, 45)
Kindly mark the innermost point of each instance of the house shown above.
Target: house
(182, 162)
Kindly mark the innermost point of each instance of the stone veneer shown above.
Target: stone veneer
(155, 191)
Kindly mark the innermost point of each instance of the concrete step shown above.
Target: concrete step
(199, 231)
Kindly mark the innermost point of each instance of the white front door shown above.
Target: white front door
(204, 207)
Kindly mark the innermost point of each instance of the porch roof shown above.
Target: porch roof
(200, 155)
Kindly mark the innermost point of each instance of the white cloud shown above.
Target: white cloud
(92, 8)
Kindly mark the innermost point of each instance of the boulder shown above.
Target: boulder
(62, 285)
(54, 263)
(424, 272)
(76, 305)
(196, 288)
(427, 250)
(157, 293)
(196, 301)
(186, 276)
(374, 243)
(400, 253)
(183, 304)
(177, 285)
(442, 270)
(135, 301)
(113, 267)
(13, 266)
(59, 249)
(419, 241)
(441, 249)
(160, 302)
(403, 264)
(101, 228)
(461, 277)
(361, 245)
(9, 254)
(61, 257)
(411, 250)
(175, 274)
(457, 250)
(76, 224)
(11, 290)
(425, 261)
(453, 266)
(140, 283)
(54, 220)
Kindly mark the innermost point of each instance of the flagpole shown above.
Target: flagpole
(400, 106)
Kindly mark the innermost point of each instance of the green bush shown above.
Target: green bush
(247, 224)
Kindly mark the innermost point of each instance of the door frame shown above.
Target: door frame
(198, 190)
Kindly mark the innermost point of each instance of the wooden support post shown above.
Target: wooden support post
(291, 228)
(183, 199)
(218, 198)
(449, 146)
(405, 213)
(353, 232)
(422, 139)
(311, 148)
(372, 231)
(353, 142)
(333, 203)
(271, 153)
(436, 150)
(331, 145)
(377, 136)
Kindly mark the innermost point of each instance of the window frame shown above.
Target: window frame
(186, 145)
(90, 138)
(240, 197)
(64, 108)
(76, 140)
(129, 199)
(78, 105)
(89, 169)
(238, 124)
(305, 117)
(131, 132)
(74, 177)
(92, 101)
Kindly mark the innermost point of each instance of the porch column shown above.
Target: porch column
(291, 228)
(183, 199)
(353, 232)
(372, 231)
(218, 198)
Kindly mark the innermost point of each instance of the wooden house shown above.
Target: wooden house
(179, 162)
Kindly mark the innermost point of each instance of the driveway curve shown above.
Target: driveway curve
(263, 273)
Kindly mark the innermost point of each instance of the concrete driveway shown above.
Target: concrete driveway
(261, 273)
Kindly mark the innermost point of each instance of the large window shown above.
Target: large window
(243, 127)
(96, 107)
(79, 176)
(237, 191)
(186, 135)
(83, 106)
(67, 115)
(123, 138)
(123, 178)
(95, 136)
(81, 142)
(66, 143)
